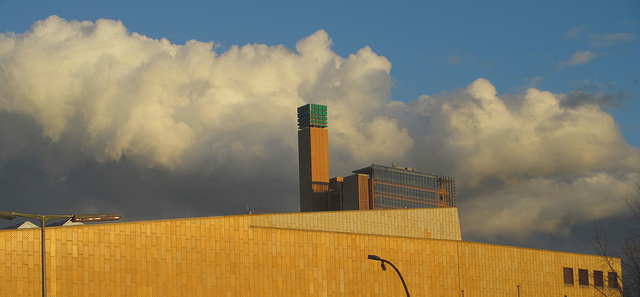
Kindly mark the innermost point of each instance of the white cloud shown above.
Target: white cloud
(602, 40)
(577, 32)
(100, 116)
(155, 101)
(533, 82)
(581, 57)
(534, 166)
(454, 59)
(611, 39)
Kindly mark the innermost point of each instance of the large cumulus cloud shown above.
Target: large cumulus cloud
(527, 163)
(96, 118)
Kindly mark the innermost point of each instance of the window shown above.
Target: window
(613, 280)
(568, 276)
(598, 279)
(583, 277)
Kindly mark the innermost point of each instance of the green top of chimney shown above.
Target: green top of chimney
(312, 115)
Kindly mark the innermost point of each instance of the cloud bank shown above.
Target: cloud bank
(95, 118)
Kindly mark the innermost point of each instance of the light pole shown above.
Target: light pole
(7, 215)
(382, 261)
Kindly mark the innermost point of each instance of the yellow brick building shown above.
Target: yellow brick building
(294, 254)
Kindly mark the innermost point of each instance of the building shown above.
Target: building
(382, 187)
(373, 187)
(291, 254)
(23, 225)
(313, 157)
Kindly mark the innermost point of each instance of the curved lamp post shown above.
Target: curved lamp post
(7, 215)
(382, 261)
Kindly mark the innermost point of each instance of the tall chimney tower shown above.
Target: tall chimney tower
(313, 156)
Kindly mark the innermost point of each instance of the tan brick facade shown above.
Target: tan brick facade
(297, 254)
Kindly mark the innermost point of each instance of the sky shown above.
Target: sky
(159, 110)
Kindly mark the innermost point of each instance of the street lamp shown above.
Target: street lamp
(382, 261)
(7, 215)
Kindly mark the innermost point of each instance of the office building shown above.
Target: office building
(373, 187)
(397, 187)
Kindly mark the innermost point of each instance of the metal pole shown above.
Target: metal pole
(400, 275)
(7, 215)
(374, 257)
(518, 290)
(44, 257)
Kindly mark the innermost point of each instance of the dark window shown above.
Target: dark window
(568, 276)
(613, 280)
(583, 277)
(598, 279)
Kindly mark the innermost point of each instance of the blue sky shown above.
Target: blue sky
(96, 120)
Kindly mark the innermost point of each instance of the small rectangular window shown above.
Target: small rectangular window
(613, 280)
(583, 277)
(598, 279)
(568, 276)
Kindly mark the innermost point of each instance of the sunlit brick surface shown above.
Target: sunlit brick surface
(438, 223)
(302, 254)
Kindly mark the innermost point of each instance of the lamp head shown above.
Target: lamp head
(373, 257)
(95, 218)
(7, 215)
(384, 268)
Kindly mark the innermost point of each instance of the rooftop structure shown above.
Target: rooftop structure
(22, 225)
(312, 115)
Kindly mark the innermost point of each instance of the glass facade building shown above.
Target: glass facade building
(402, 187)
